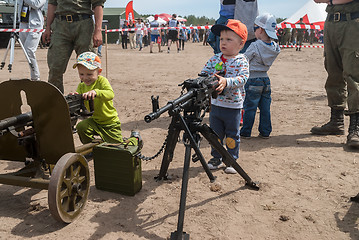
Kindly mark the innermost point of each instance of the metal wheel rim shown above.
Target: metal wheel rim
(69, 187)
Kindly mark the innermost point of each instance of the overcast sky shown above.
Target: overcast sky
(208, 8)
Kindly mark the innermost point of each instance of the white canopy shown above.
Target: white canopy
(160, 20)
(311, 12)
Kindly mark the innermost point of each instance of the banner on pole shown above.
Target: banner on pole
(129, 12)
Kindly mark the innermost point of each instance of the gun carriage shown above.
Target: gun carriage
(42, 139)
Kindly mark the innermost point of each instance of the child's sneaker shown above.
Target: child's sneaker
(136, 134)
(215, 163)
(230, 170)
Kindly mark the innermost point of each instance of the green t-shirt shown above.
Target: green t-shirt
(104, 111)
(76, 6)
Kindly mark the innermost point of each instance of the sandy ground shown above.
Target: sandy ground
(305, 181)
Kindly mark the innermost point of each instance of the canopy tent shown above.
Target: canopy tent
(311, 12)
(181, 19)
(165, 16)
(160, 20)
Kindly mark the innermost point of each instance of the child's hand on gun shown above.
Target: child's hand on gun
(222, 83)
(90, 95)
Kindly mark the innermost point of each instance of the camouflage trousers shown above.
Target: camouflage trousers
(341, 50)
(66, 37)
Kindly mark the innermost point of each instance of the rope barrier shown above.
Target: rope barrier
(282, 25)
(303, 46)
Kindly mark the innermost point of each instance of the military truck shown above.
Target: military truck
(7, 8)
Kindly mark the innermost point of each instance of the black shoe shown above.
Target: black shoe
(263, 136)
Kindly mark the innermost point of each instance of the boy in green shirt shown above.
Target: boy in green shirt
(104, 121)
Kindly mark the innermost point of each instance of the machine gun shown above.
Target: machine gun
(77, 108)
(196, 100)
(187, 112)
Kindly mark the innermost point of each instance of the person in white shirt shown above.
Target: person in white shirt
(31, 17)
(139, 33)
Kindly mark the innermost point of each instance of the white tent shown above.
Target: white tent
(311, 12)
(160, 20)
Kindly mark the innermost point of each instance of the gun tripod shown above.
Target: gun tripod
(192, 127)
(11, 46)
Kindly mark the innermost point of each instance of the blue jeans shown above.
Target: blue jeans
(258, 95)
(139, 40)
(99, 50)
(225, 122)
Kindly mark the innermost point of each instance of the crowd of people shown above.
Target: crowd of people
(288, 36)
(162, 37)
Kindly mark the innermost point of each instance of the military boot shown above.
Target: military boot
(353, 136)
(334, 127)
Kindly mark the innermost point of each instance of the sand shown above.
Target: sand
(306, 181)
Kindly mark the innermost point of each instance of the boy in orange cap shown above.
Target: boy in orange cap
(232, 71)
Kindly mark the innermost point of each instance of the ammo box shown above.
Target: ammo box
(117, 169)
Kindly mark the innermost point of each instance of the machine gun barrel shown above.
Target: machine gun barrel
(19, 120)
(170, 106)
(76, 109)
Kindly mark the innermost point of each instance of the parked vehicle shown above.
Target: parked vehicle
(7, 9)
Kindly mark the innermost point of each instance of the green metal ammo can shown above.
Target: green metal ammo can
(117, 169)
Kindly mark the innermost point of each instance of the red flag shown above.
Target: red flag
(129, 11)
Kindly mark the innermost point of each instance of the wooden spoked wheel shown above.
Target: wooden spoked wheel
(69, 187)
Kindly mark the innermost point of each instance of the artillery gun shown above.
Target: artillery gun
(42, 139)
(7, 9)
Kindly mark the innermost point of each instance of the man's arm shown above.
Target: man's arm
(46, 36)
(97, 35)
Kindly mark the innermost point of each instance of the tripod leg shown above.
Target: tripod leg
(172, 138)
(7, 51)
(179, 234)
(212, 138)
(196, 149)
(12, 47)
(203, 162)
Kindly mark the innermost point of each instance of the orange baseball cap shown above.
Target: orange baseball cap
(233, 25)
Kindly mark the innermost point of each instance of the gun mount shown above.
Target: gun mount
(187, 112)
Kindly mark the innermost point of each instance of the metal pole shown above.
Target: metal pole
(106, 49)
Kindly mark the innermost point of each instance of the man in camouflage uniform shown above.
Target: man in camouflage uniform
(69, 27)
(341, 49)
(300, 35)
(286, 36)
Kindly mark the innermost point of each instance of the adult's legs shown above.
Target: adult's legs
(66, 37)
(335, 84)
(31, 41)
